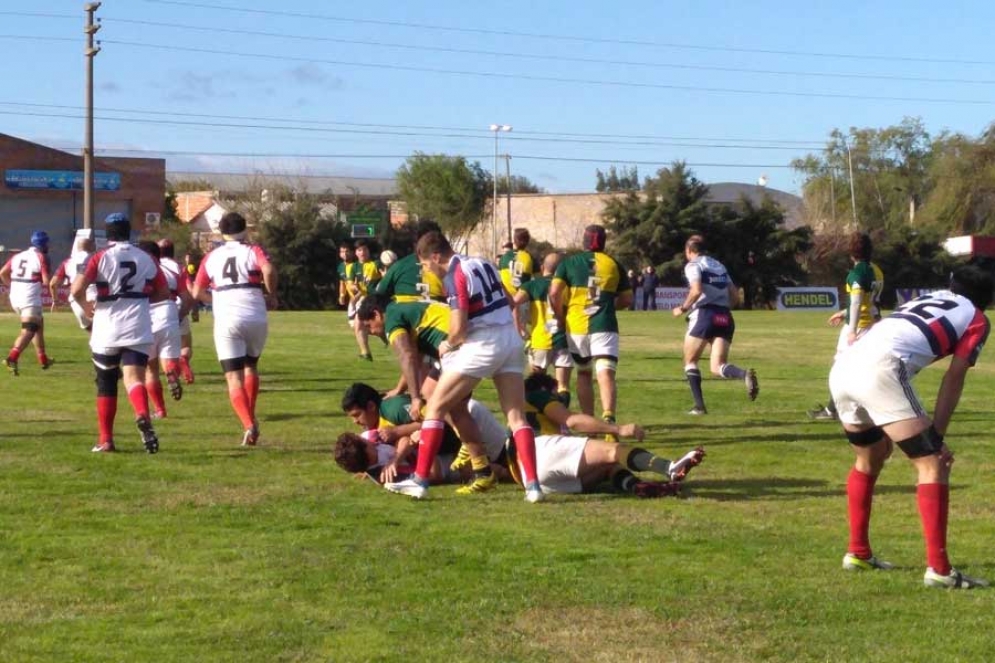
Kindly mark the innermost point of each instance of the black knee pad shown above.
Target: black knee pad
(251, 362)
(236, 364)
(30, 326)
(865, 438)
(107, 381)
(924, 444)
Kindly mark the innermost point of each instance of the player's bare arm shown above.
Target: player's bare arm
(694, 292)
(271, 281)
(458, 323)
(948, 396)
(623, 299)
(517, 300)
(408, 358)
(5, 273)
(733, 291)
(557, 303)
(582, 423)
(78, 289)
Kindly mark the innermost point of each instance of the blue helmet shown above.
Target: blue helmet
(39, 239)
(115, 218)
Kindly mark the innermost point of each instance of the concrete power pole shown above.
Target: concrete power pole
(90, 53)
(507, 180)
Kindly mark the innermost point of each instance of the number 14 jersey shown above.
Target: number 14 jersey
(233, 272)
(473, 285)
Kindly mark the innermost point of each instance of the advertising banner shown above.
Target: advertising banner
(668, 298)
(908, 294)
(59, 179)
(814, 298)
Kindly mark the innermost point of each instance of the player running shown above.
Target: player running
(871, 383)
(232, 277)
(167, 262)
(482, 342)
(709, 303)
(127, 281)
(70, 268)
(27, 273)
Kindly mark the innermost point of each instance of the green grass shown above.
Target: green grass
(209, 552)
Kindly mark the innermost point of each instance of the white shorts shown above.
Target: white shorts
(487, 352)
(185, 325)
(243, 338)
(145, 349)
(166, 343)
(841, 343)
(84, 320)
(28, 311)
(558, 460)
(595, 344)
(543, 359)
(870, 388)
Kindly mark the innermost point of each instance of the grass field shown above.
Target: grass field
(209, 552)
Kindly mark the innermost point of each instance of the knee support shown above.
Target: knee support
(32, 327)
(251, 362)
(107, 381)
(924, 444)
(583, 365)
(605, 364)
(865, 438)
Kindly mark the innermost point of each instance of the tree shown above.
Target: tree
(446, 189)
(613, 182)
(963, 200)
(519, 184)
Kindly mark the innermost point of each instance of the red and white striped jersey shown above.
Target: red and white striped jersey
(28, 275)
(233, 272)
(931, 327)
(125, 276)
(474, 285)
(72, 267)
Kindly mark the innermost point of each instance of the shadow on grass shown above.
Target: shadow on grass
(775, 488)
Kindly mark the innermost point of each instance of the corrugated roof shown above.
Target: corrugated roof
(237, 182)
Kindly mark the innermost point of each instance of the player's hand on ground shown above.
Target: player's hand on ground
(633, 431)
(388, 473)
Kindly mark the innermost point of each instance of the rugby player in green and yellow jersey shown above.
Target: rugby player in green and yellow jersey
(586, 291)
(515, 265)
(366, 276)
(547, 341)
(406, 281)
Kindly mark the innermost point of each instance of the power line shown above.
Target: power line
(552, 79)
(39, 38)
(38, 15)
(563, 37)
(555, 58)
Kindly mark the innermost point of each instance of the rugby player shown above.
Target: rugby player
(233, 277)
(128, 281)
(871, 384)
(587, 290)
(406, 281)
(482, 342)
(67, 271)
(516, 263)
(708, 304)
(366, 276)
(168, 264)
(27, 273)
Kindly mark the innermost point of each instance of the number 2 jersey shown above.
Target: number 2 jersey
(930, 328)
(473, 285)
(233, 272)
(125, 276)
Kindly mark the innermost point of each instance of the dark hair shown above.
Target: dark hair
(232, 223)
(372, 303)
(350, 453)
(150, 248)
(522, 237)
(540, 382)
(695, 244)
(117, 227)
(426, 226)
(360, 394)
(166, 247)
(594, 238)
(345, 245)
(432, 243)
(975, 283)
(861, 246)
(361, 242)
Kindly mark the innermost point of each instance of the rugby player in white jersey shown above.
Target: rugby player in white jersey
(127, 281)
(709, 303)
(169, 265)
(70, 268)
(232, 278)
(166, 333)
(482, 342)
(871, 384)
(27, 273)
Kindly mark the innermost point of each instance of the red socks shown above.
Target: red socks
(240, 403)
(432, 431)
(252, 391)
(139, 398)
(154, 388)
(934, 505)
(42, 359)
(525, 448)
(185, 369)
(106, 411)
(14, 354)
(859, 496)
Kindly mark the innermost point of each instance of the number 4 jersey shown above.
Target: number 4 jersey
(930, 328)
(125, 276)
(233, 272)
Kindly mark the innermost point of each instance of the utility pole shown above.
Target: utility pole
(90, 53)
(507, 182)
(853, 191)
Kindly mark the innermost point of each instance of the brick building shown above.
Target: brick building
(42, 190)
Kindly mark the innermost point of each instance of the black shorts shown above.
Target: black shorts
(710, 322)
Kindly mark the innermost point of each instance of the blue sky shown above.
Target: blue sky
(596, 84)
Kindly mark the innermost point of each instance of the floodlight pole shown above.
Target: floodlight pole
(89, 54)
(853, 191)
(507, 181)
(496, 128)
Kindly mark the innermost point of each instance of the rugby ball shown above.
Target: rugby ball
(387, 258)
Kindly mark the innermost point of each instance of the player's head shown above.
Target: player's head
(117, 227)
(232, 226)
(522, 238)
(362, 251)
(426, 226)
(353, 453)
(85, 244)
(975, 283)
(694, 246)
(861, 247)
(551, 262)
(150, 248)
(540, 382)
(39, 240)
(434, 252)
(362, 403)
(595, 238)
(507, 246)
(166, 248)
(371, 313)
(345, 252)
